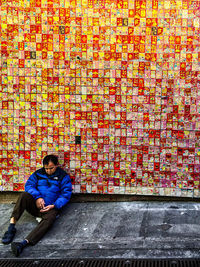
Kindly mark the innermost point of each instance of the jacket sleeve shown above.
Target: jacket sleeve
(66, 191)
(31, 186)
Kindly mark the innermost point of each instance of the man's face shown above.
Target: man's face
(50, 168)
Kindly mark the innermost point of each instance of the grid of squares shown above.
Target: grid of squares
(111, 86)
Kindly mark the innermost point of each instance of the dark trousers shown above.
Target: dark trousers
(28, 203)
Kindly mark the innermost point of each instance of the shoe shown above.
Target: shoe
(16, 248)
(8, 236)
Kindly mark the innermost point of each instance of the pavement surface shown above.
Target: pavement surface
(138, 229)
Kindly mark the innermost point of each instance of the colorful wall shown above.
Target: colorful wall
(111, 86)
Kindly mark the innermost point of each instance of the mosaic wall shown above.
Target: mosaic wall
(111, 86)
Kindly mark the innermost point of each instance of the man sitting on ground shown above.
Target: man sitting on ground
(46, 191)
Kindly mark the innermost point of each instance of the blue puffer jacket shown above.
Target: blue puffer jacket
(55, 189)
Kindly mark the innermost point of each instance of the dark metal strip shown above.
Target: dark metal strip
(102, 263)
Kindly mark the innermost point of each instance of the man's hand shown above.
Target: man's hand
(47, 208)
(40, 203)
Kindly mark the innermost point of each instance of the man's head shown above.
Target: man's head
(50, 163)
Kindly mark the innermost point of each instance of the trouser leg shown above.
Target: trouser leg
(47, 221)
(25, 202)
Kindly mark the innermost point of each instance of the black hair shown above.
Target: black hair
(52, 158)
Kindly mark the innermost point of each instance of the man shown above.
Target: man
(46, 191)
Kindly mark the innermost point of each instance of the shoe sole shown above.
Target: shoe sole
(6, 243)
(15, 250)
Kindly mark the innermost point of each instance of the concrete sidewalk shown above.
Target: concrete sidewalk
(137, 229)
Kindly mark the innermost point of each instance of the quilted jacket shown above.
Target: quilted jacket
(55, 189)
